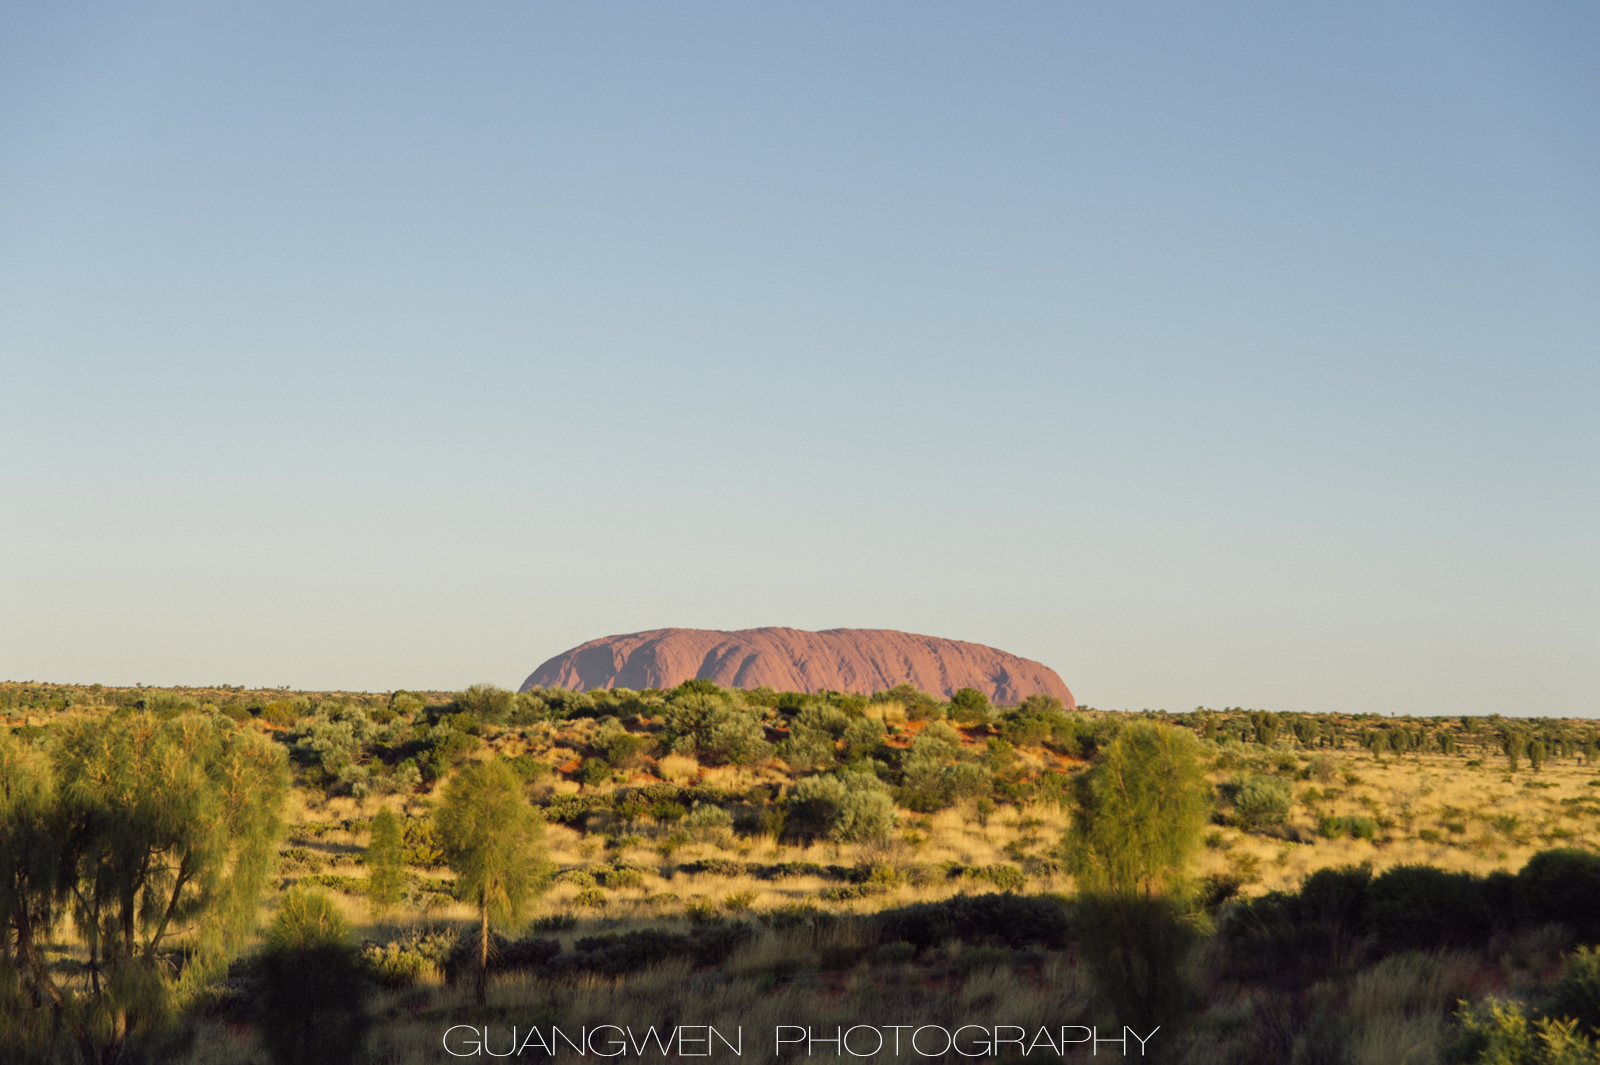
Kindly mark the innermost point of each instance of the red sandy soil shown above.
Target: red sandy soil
(845, 660)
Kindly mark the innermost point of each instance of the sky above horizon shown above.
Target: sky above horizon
(1223, 355)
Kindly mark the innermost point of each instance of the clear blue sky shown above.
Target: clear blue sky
(1211, 354)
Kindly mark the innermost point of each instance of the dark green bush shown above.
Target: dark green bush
(1335, 897)
(1562, 885)
(1134, 945)
(505, 955)
(1420, 907)
(1006, 919)
(624, 749)
(629, 952)
(312, 1009)
(969, 706)
(531, 769)
(557, 922)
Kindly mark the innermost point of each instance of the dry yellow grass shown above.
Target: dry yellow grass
(678, 768)
(1465, 811)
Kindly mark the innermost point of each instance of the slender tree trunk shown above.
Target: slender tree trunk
(483, 956)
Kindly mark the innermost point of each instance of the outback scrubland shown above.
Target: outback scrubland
(215, 874)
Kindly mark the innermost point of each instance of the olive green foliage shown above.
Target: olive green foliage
(862, 738)
(305, 920)
(1139, 814)
(850, 807)
(152, 834)
(1354, 827)
(1499, 1033)
(405, 704)
(1262, 800)
(716, 726)
(708, 822)
(804, 750)
(1140, 810)
(450, 740)
(1577, 995)
(494, 841)
(330, 742)
(312, 1006)
(816, 731)
(487, 703)
(624, 750)
(936, 772)
(385, 862)
(920, 706)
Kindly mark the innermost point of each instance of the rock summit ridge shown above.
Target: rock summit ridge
(850, 660)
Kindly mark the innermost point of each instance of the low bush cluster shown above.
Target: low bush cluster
(1006, 919)
(1339, 914)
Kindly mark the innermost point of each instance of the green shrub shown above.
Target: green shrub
(667, 812)
(624, 750)
(385, 862)
(1577, 994)
(312, 1004)
(1262, 801)
(420, 844)
(1007, 920)
(615, 955)
(1353, 827)
(581, 877)
(486, 703)
(594, 771)
(557, 922)
(806, 749)
(618, 879)
(862, 737)
(969, 706)
(1495, 1032)
(1561, 885)
(1421, 907)
(402, 962)
(707, 822)
(848, 806)
(530, 769)
(739, 901)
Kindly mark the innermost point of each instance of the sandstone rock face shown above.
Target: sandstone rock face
(848, 660)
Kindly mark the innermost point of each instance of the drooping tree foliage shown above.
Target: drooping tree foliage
(494, 841)
(155, 837)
